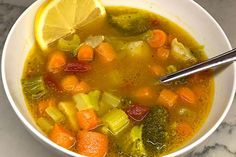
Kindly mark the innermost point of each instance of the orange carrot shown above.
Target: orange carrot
(85, 53)
(144, 93)
(162, 53)
(184, 129)
(87, 119)
(157, 70)
(92, 144)
(167, 98)
(158, 39)
(82, 87)
(187, 95)
(44, 104)
(106, 51)
(72, 84)
(69, 83)
(62, 137)
(56, 62)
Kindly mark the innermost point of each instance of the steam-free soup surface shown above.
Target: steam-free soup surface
(97, 92)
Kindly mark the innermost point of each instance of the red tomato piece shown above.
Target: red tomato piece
(137, 112)
(75, 66)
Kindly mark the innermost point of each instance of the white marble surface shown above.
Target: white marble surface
(15, 141)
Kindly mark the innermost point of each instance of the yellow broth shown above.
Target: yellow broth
(136, 74)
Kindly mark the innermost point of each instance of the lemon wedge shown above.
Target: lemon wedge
(56, 19)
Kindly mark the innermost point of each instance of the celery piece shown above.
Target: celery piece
(171, 69)
(82, 101)
(115, 78)
(69, 45)
(104, 129)
(55, 114)
(181, 53)
(136, 138)
(104, 108)
(44, 124)
(34, 88)
(108, 102)
(69, 109)
(116, 120)
(94, 97)
(110, 99)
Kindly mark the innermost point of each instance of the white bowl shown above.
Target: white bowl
(186, 13)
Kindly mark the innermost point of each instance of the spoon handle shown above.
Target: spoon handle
(221, 59)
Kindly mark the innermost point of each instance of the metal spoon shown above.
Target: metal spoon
(221, 59)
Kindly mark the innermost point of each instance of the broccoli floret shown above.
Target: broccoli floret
(154, 131)
(130, 24)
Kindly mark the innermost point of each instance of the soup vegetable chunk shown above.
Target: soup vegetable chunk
(96, 92)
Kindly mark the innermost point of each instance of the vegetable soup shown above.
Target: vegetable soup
(97, 91)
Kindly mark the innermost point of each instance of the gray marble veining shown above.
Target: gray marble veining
(16, 141)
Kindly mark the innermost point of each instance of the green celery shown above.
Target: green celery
(116, 120)
(94, 97)
(69, 45)
(82, 102)
(55, 114)
(136, 137)
(44, 124)
(34, 88)
(108, 102)
(69, 109)
(104, 129)
(110, 99)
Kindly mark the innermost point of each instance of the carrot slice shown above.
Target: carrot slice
(69, 83)
(187, 95)
(158, 39)
(167, 98)
(106, 51)
(184, 129)
(82, 87)
(162, 53)
(87, 119)
(85, 53)
(92, 144)
(56, 62)
(157, 70)
(72, 84)
(44, 104)
(62, 137)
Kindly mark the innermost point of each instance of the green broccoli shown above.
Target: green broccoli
(130, 24)
(154, 131)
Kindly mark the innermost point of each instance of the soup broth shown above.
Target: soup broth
(107, 88)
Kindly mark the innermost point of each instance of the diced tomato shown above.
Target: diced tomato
(75, 66)
(137, 112)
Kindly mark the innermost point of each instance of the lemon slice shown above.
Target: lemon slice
(59, 18)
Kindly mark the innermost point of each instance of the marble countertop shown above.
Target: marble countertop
(16, 141)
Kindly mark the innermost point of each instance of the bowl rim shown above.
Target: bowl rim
(44, 139)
